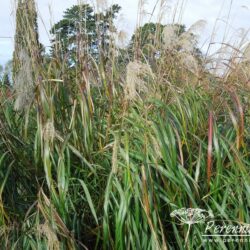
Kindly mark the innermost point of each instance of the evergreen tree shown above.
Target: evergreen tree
(81, 26)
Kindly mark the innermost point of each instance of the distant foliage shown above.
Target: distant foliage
(82, 26)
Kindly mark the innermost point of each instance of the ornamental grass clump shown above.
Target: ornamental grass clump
(102, 146)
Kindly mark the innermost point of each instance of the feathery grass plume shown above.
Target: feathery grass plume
(101, 5)
(24, 86)
(188, 40)
(49, 131)
(197, 27)
(122, 38)
(26, 36)
(239, 67)
(52, 240)
(216, 61)
(190, 63)
(134, 79)
(169, 36)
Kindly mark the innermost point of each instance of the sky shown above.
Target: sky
(212, 11)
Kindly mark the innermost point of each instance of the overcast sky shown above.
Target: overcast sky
(50, 11)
